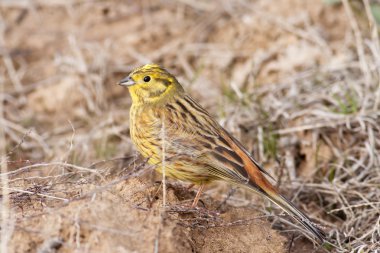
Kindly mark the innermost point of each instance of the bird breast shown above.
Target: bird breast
(145, 130)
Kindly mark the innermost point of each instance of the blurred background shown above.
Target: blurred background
(297, 81)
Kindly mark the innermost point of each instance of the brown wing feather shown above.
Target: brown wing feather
(219, 146)
(200, 137)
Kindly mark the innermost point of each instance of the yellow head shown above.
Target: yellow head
(151, 84)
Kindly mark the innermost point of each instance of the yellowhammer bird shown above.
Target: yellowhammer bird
(168, 125)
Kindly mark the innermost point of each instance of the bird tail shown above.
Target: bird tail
(272, 194)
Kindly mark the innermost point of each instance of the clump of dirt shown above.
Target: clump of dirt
(248, 235)
(128, 217)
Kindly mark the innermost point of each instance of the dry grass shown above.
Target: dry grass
(297, 81)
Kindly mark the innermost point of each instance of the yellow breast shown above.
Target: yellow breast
(145, 127)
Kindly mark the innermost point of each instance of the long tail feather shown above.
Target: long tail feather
(288, 207)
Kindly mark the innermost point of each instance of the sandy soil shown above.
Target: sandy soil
(127, 217)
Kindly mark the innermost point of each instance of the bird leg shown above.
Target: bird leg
(199, 193)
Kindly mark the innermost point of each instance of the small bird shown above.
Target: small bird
(176, 134)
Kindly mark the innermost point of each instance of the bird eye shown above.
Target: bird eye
(146, 79)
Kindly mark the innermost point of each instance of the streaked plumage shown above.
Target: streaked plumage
(197, 148)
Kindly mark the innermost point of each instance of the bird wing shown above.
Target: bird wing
(193, 132)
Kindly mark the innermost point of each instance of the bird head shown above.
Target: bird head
(151, 84)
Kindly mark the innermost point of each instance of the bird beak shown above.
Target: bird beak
(127, 81)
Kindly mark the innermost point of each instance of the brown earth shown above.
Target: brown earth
(127, 217)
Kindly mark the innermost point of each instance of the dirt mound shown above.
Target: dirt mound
(128, 217)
